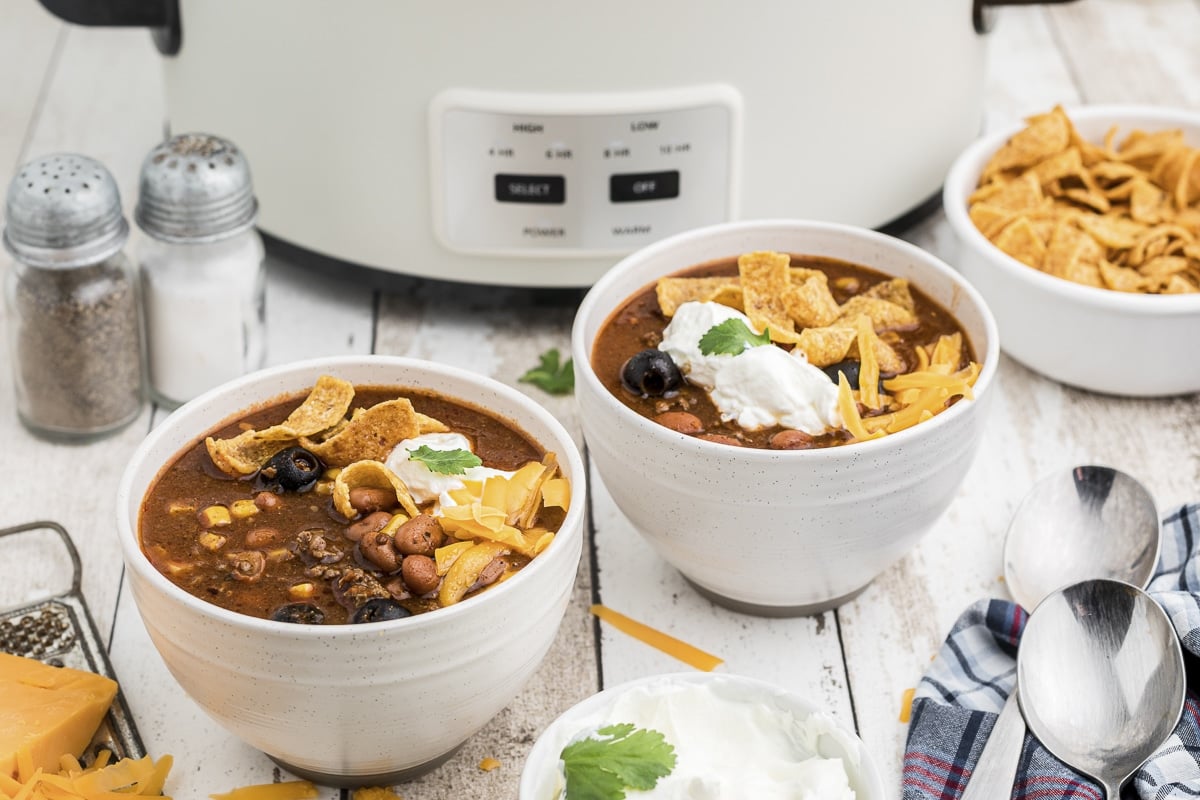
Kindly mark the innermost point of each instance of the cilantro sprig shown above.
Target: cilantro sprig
(731, 337)
(445, 462)
(619, 757)
(550, 376)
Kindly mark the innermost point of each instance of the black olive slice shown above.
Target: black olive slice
(380, 609)
(293, 470)
(651, 373)
(301, 613)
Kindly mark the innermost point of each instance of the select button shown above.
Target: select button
(635, 186)
(543, 189)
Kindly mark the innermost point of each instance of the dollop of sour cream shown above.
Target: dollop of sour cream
(760, 387)
(424, 484)
(728, 745)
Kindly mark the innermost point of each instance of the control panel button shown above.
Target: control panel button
(543, 189)
(636, 186)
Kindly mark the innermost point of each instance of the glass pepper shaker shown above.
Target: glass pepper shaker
(201, 267)
(74, 327)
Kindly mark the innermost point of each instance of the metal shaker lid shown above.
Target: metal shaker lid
(63, 210)
(195, 187)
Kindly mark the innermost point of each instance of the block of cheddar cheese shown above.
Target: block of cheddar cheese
(46, 712)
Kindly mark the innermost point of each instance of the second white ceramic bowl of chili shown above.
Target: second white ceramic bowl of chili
(782, 532)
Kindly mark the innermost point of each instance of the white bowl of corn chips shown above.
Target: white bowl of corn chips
(1081, 227)
(783, 532)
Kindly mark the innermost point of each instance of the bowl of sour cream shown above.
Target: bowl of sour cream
(699, 735)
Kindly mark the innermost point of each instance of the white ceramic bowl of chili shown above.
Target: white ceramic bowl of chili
(781, 532)
(355, 704)
(1120, 343)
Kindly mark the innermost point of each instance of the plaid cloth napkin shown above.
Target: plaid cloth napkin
(957, 701)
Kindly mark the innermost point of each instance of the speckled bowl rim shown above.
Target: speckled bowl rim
(582, 351)
(964, 175)
(539, 757)
(136, 560)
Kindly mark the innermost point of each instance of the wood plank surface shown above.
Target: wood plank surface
(99, 92)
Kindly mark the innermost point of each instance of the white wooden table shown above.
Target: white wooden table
(99, 92)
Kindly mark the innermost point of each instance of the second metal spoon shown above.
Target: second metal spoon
(1102, 679)
(1088, 522)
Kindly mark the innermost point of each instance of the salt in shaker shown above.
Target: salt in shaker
(74, 327)
(201, 266)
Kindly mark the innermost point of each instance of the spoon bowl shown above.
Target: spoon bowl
(1102, 678)
(1090, 522)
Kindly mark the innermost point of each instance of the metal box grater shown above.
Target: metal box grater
(60, 631)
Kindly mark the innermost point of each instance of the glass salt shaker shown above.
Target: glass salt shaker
(201, 267)
(71, 293)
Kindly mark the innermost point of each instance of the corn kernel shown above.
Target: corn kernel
(277, 554)
(394, 524)
(212, 541)
(215, 517)
(175, 567)
(240, 509)
(301, 591)
(323, 488)
(180, 507)
(331, 473)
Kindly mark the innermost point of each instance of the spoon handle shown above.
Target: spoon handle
(994, 775)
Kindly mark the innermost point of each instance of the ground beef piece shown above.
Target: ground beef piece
(356, 586)
(312, 546)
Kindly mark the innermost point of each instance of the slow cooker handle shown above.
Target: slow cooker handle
(984, 18)
(160, 16)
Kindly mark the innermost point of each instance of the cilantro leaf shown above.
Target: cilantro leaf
(445, 462)
(624, 757)
(732, 337)
(550, 376)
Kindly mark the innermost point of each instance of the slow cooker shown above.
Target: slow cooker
(531, 142)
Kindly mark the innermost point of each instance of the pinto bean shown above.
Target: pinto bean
(681, 421)
(263, 537)
(367, 499)
(378, 549)
(720, 438)
(491, 573)
(420, 536)
(267, 501)
(368, 524)
(420, 574)
(791, 440)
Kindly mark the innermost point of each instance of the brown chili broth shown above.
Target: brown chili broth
(192, 479)
(638, 324)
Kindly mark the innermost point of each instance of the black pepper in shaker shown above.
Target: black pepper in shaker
(74, 322)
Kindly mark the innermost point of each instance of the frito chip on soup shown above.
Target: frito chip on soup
(1113, 209)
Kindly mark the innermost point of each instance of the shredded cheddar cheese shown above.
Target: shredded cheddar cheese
(673, 647)
(489, 764)
(286, 790)
(143, 776)
(906, 701)
(868, 371)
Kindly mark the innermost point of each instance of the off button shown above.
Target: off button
(541, 189)
(633, 187)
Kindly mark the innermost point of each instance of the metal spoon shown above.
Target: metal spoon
(1102, 679)
(1087, 522)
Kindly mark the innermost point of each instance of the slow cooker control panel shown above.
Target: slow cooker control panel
(522, 174)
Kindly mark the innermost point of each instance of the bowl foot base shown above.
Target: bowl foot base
(374, 779)
(756, 610)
